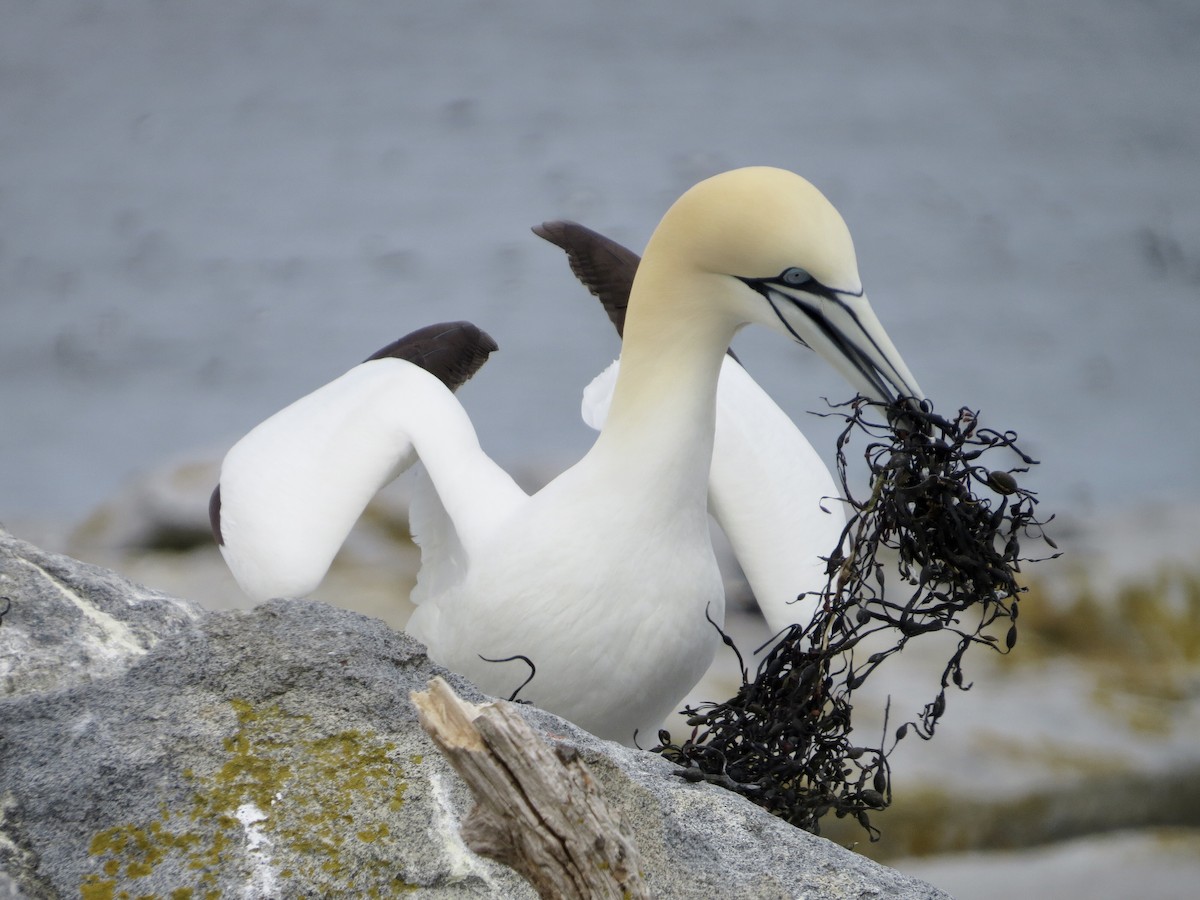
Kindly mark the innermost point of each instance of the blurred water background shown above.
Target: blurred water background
(209, 209)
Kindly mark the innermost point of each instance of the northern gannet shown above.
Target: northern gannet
(605, 578)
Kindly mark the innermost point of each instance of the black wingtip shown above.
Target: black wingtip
(547, 231)
(452, 351)
(214, 515)
(604, 266)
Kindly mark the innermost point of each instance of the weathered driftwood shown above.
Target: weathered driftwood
(537, 810)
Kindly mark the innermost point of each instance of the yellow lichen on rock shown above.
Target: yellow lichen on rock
(287, 805)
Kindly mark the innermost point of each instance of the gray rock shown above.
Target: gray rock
(69, 622)
(275, 753)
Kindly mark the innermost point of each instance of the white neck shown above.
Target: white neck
(659, 432)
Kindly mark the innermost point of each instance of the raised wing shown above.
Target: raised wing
(604, 266)
(451, 351)
(291, 489)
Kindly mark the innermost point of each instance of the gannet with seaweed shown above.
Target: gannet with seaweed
(605, 578)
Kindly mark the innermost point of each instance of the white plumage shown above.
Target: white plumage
(604, 577)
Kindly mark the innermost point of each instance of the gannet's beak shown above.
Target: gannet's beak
(843, 329)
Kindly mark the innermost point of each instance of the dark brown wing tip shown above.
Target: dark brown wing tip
(556, 231)
(605, 267)
(452, 351)
(573, 237)
(214, 515)
(547, 231)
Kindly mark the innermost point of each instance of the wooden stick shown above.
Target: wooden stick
(537, 810)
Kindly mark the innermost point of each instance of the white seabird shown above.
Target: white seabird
(605, 579)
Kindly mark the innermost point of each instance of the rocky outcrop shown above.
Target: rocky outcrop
(275, 753)
(70, 623)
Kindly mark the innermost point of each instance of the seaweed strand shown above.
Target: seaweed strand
(935, 547)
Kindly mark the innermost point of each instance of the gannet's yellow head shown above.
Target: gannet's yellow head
(778, 236)
(757, 222)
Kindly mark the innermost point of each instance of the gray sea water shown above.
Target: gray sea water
(208, 209)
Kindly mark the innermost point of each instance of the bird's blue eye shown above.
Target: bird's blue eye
(795, 275)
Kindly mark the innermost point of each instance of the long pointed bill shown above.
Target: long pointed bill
(845, 331)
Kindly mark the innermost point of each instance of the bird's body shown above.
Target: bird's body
(573, 582)
(606, 578)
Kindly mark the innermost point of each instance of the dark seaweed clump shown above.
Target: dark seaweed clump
(935, 547)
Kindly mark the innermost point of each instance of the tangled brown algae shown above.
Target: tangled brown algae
(954, 527)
